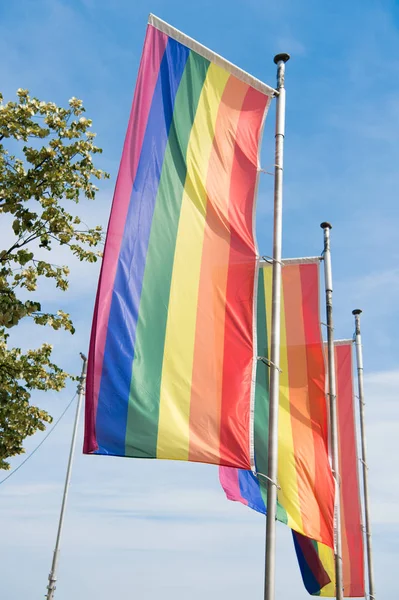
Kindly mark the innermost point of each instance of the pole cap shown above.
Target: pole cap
(357, 311)
(326, 225)
(283, 56)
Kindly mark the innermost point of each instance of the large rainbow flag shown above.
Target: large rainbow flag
(172, 356)
(306, 494)
(315, 558)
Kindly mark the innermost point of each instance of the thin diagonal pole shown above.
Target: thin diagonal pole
(52, 578)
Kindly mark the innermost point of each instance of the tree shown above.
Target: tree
(46, 165)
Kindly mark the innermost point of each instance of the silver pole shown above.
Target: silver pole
(52, 578)
(332, 393)
(359, 360)
(280, 60)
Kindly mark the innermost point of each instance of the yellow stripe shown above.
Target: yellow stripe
(174, 411)
(327, 558)
(288, 495)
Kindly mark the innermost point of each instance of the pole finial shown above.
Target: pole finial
(281, 57)
(357, 311)
(326, 225)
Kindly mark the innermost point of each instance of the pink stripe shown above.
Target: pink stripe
(229, 481)
(154, 48)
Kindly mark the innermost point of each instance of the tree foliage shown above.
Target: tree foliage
(46, 166)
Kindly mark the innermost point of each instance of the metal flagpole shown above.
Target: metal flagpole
(280, 60)
(52, 578)
(359, 360)
(339, 592)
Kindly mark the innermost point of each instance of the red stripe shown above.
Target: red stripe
(238, 339)
(154, 48)
(353, 558)
(324, 484)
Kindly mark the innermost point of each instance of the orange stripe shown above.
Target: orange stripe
(299, 402)
(206, 392)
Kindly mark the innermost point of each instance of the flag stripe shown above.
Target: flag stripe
(142, 429)
(206, 390)
(261, 421)
(326, 555)
(112, 416)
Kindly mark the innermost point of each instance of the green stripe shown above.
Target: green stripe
(262, 384)
(143, 411)
(261, 425)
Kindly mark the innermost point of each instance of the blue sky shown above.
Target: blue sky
(140, 529)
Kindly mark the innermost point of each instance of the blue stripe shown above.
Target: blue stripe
(119, 347)
(250, 490)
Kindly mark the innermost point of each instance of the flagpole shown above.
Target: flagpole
(52, 578)
(359, 361)
(280, 60)
(333, 410)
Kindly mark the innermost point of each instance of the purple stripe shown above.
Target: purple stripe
(250, 490)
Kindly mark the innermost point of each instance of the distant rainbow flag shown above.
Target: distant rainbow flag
(313, 557)
(172, 355)
(306, 494)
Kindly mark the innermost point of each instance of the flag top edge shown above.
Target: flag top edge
(205, 52)
(348, 342)
(306, 260)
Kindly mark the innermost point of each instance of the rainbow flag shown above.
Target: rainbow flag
(172, 354)
(306, 497)
(351, 521)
